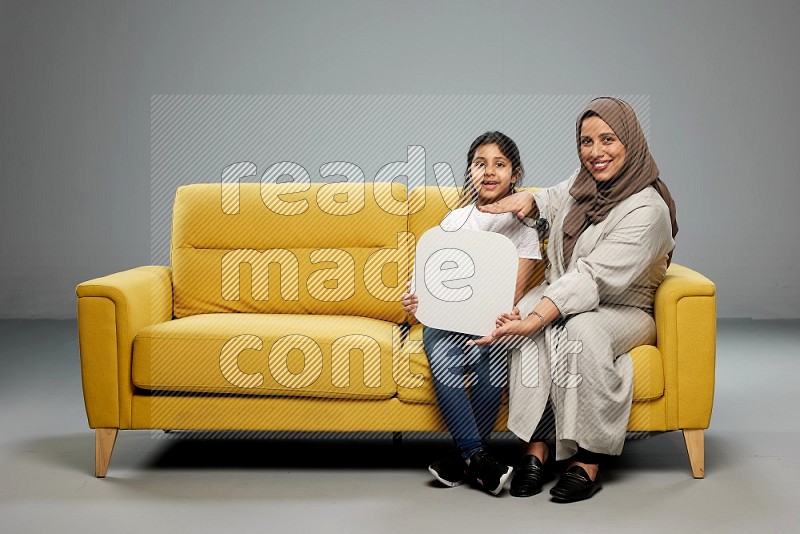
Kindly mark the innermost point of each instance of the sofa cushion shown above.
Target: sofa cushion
(331, 249)
(648, 372)
(261, 354)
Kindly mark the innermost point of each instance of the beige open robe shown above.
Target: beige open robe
(605, 294)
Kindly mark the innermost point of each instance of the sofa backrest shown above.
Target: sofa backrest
(332, 249)
(429, 205)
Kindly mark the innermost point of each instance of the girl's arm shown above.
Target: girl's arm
(524, 273)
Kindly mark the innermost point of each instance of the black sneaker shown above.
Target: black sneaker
(450, 470)
(490, 474)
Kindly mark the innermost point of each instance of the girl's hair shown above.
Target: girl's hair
(507, 147)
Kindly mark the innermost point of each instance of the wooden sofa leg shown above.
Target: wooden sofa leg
(104, 446)
(695, 446)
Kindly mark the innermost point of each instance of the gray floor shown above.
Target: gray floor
(311, 484)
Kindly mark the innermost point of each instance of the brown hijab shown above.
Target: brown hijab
(595, 200)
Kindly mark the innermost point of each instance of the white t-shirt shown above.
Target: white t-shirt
(524, 237)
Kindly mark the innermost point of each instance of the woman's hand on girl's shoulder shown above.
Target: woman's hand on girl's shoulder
(520, 203)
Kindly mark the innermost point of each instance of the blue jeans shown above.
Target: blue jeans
(469, 412)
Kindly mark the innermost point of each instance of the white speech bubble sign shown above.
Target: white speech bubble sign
(464, 279)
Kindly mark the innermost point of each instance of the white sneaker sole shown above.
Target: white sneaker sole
(448, 483)
(503, 479)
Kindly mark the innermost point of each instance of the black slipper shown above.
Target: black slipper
(528, 477)
(575, 485)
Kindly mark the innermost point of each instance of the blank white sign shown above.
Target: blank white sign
(464, 279)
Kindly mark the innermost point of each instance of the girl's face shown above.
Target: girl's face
(601, 150)
(491, 174)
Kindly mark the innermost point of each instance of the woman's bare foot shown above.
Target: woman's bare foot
(591, 469)
(538, 449)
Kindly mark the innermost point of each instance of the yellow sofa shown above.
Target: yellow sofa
(280, 312)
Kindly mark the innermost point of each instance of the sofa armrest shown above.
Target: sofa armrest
(111, 310)
(686, 325)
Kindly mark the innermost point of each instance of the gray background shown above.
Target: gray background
(77, 78)
(195, 137)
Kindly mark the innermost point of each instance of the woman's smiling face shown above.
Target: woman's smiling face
(491, 172)
(601, 151)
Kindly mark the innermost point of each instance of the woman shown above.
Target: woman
(611, 238)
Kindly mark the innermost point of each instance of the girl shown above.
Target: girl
(493, 170)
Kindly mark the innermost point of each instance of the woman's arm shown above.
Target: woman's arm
(544, 203)
(544, 313)
(640, 238)
(520, 203)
